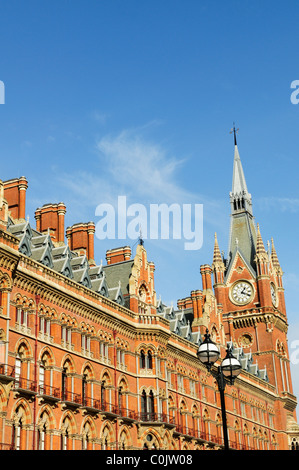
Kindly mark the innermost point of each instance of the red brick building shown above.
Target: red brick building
(91, 359)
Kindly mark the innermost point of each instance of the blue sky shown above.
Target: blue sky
(107, 98)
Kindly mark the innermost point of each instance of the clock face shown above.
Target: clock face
(242, 292)
(273, 295)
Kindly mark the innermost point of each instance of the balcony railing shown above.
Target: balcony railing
(126, 413)
(238, 446)
(26, 385)
(7, 370)
(49, 391)
(156, 417)
(71, 397)
(6, 446)
(189, 431)
(89, 402)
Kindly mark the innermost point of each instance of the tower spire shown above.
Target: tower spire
(239, 195)
(242, 226)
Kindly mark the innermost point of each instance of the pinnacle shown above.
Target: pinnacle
(274, 257)
(260, 248)
(217, 258)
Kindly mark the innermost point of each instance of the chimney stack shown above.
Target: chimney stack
(3, 207)
(51, 217)
(15, 194)
(80, 238)
(117, 255)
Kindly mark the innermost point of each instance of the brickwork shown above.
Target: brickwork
(90, 359)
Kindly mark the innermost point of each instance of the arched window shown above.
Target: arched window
(149, 360)
(42, 437)
(195, 421)
(219, 429)
(142, 360)
(64, 384)
(41, 378)
(294, 444)
(147, 406)
(20, 367)
(65, 434)
(45, 374)
(19, 430)
(143, 406)
(84, 389)
(106, 439)
(151, 406)
(123, 445)
(65, 440)
(87, 436)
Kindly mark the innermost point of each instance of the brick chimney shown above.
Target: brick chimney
(51, 217)
(80, 238)
(15, 194)
(184, 303)
(196, 296)
(3, 207)
(117, 255)
(206, 275)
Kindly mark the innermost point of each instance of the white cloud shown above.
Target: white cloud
(133, 165)
(284, 204)
(100, 117)
(141, 167)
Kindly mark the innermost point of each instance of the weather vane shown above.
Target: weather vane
(141, 242)
(235, 131)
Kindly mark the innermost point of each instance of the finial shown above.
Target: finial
(141, 241)
(235, 132)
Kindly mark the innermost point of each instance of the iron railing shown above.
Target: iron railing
(7, 370)
(49, 391)
(156, 417)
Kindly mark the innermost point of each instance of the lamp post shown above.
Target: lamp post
(208, 353)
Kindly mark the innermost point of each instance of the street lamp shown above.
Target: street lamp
(208, 353)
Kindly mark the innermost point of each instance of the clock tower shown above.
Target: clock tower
(248, 286)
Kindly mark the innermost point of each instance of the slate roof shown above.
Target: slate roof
(111, 281)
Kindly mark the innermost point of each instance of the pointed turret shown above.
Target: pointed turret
(261, 257)
(218, 267)
(277, 268)
(260, 248)
(217, 258)
(274, 258)
(218, 264)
